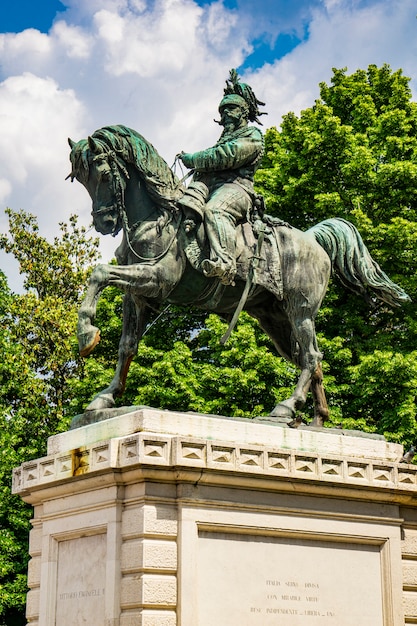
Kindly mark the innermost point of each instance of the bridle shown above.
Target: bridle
(119, 176)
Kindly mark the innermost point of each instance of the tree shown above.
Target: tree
(353, 154)
(37, 343)
(15, 381)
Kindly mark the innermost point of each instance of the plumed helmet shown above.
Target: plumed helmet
(241, 95)
(233, 98)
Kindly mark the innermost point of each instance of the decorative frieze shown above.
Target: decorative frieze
(150, 450)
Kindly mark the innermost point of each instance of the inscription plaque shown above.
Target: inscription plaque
(252, 580)
(81, 581)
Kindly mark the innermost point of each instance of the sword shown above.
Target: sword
(249, 282)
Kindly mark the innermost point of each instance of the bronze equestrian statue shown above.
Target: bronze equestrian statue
(212, 246)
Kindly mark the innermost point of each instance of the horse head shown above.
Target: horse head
(104, 175)
(125, 177)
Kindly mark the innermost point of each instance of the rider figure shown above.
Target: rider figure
(223, 177)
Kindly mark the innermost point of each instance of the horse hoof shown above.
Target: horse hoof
(318, 422)
(282, 410)
(88, 341)
(100, 402)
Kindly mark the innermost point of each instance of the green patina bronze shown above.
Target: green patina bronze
(210, 245)
(224, 176)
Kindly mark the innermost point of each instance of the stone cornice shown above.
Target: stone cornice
(247, 461)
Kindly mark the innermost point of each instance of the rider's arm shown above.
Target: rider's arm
(230, 154)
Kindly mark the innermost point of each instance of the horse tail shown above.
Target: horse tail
(352, 262)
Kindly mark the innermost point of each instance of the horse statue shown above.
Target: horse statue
(133, 189)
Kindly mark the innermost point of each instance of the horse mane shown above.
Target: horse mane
(130, 147)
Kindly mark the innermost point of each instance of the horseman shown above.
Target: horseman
(222, 190)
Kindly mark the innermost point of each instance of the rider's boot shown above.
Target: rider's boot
(218, 269)
(221, 233)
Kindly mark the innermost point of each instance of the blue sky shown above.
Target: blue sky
(159, 66)
(16, 15)
(266, 50)
(277, 26)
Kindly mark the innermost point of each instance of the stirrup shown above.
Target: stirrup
(217, 269)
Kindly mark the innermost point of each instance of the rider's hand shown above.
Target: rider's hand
(187, 159)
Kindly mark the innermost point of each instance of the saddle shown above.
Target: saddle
(267, 272)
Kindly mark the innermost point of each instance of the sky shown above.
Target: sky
(70, 67)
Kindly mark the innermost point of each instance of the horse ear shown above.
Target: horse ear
(71, 143)
(93, 145)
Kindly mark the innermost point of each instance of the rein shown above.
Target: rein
(159, 256)
(118, 170)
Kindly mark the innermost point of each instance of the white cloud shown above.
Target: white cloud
(138, 5)
(5, 190)
(28, 49)
(29, 41)
(219, 25)
(73, 39)
(31, 139)
(34, 115)
(176, 38)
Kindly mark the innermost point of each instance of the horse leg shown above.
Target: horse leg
(143, 281)
(135, 316)
(308, 359)
(296, 401)
(321, 411)
(89, 335)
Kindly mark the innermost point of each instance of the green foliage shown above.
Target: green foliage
(14, 515)
(37, 346)
(59, 268)
(353, 154)
(383, 393)
(242, 379)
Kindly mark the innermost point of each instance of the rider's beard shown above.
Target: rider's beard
(231, 121)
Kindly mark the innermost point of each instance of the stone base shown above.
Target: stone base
(155, 518)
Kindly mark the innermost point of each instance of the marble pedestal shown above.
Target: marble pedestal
(156, 518)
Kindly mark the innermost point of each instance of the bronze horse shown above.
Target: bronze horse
(132, 188)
